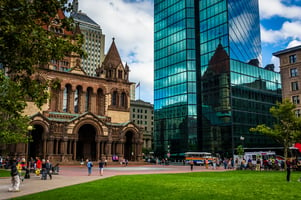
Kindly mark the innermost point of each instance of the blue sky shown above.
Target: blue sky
(131, 23)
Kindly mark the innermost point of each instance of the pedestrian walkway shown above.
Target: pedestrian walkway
(72, 175)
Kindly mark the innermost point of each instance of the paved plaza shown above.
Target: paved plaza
(71, 175)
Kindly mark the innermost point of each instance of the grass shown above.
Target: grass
(4, 173)
(185, 186)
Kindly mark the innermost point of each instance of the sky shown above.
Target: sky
(131, 23)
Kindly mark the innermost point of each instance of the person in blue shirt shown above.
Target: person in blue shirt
(89, 165)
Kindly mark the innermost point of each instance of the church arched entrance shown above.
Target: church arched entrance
(129, 146)
(35, 146)
(86, 145)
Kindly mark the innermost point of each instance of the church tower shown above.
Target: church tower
(75, 6)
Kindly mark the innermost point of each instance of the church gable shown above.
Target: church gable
(112, 67)
(77, 69)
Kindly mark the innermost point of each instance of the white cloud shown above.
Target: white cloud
(294, 43)
(271, 8)
(131, 24)
(288, 31)
(275, 60)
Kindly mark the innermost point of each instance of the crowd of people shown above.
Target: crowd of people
(20, 169)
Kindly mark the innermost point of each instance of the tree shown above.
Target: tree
(240, 150)
(25, 45)
(287, 128)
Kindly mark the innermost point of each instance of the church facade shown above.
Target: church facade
(86, 117)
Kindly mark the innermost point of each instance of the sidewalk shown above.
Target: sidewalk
(35, 184)
(72, 175)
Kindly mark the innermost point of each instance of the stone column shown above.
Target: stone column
(60, 100)
(65, 141)
(108, 150)
(102, 147)
(71, 102)
(49, 146)
(62, 148)
(97, 150)
(44, 147)
(82, 100)
(93, 103)
(74, 150)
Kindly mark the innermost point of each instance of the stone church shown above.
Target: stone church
(86, 117)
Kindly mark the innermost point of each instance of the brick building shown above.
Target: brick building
(290, 66)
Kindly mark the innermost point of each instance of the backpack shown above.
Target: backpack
(90, 164)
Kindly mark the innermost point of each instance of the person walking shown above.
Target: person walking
(48, 169)
(288, 170)
(81, 162)
(214, 163)
(15, 178)
(44, 170)
(89, 165)
(101, 165)
(206, 163)
(38, 166)
(191, 165)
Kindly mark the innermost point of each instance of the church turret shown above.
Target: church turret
(112, 65)
(75, 6)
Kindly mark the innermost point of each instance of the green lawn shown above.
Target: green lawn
(4, 173)
(185, 186)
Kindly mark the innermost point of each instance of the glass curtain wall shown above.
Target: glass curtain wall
(209, 87)
(174, 77)
(236, 92)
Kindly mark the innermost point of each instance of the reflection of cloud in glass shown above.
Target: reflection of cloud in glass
(244, 37)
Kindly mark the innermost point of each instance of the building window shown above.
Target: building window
(298, 113)
(294, 72)
(76, 100)
(293, 58)
(296, 99)
(123, 100)
(120, 74)
(65, 98)
(134, 110)
(294, 86)
(114, 98)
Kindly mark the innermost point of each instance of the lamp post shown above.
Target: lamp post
(168, 151)
(29, 128)
(242, 140)
(242, 143)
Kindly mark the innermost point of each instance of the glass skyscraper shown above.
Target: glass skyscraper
(208, 83)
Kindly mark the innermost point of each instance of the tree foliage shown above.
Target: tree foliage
(25, 44)
(287, 128)
(240, 150)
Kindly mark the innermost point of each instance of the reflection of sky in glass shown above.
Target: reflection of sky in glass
(244, 30)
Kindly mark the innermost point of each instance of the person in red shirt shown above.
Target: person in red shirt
(38, 165)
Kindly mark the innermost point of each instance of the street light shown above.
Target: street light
(29, 128)
(242, 139)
